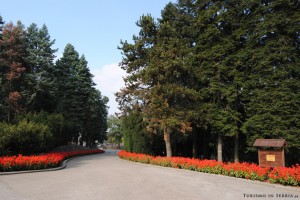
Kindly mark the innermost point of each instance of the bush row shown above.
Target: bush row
(31, 133)
(17, 163)
(283, 175)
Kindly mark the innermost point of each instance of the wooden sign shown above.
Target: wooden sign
(270, 152)
(270, 158)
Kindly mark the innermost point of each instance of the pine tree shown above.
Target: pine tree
(237, 58)
(135, 136)
(272, 85)
(114, 133)
(135, 58)
(66, 87)
(211, 49)
(96, 125)
(83, 91)
(159, 65)
(2, 77)
(83, 107)
(12, 67)
(39, 59)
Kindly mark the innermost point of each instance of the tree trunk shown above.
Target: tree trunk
(236, 137)
(9, 114)
(195, 143)
(220, 159)
(81, 141)
(205, 144)
(9, 104)
(236, 148)
(167, 138)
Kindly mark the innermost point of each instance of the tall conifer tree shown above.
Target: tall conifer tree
(39, 78)
(273, 79)
(2, 77)
(66, 87)
(12, 67)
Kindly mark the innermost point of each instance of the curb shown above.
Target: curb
(63, 166)
(272, 185)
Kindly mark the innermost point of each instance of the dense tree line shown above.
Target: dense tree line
(210, 77)
(45, 102)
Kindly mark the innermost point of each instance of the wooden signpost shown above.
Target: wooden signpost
(270, 152)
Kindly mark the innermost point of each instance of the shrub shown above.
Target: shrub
(24, 137)
(53, 121)
(31, 133)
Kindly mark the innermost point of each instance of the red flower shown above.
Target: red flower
(283, 175)
(13, 163)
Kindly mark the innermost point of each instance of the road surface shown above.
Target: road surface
(106, 177)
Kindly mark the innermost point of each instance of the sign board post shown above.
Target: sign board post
(270, 152)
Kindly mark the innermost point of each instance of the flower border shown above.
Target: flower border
(282, 175)
(46, 161)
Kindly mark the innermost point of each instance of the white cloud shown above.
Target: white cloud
(109, 80)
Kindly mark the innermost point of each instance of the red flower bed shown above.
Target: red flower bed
(283, 175)
(17, 163)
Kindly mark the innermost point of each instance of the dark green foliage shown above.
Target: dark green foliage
(32, 133)
(158, 75)
(230, 67)
(65, 83)
(96, 118)
(39, 47)
(53, 121)
(42, 104)
(24, 137)
(39, 77)
(84, 88)
(83, 108)
(114, 134)
(272, 85)
(134, 134)
(65, 91)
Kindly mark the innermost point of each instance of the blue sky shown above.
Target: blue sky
(94, 27)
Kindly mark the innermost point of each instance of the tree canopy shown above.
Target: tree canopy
(224, 70)
(54, 103)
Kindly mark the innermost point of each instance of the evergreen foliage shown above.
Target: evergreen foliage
(96, 118)
(114, 134)
(135, 136)
(25, 137)
(83, 108)
(39, 59)
(43, 104)
(227, 69)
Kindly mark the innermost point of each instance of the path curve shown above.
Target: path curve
(105, 176)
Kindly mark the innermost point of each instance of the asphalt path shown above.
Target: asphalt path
(106, 177)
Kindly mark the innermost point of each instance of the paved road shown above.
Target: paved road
(105, 177)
